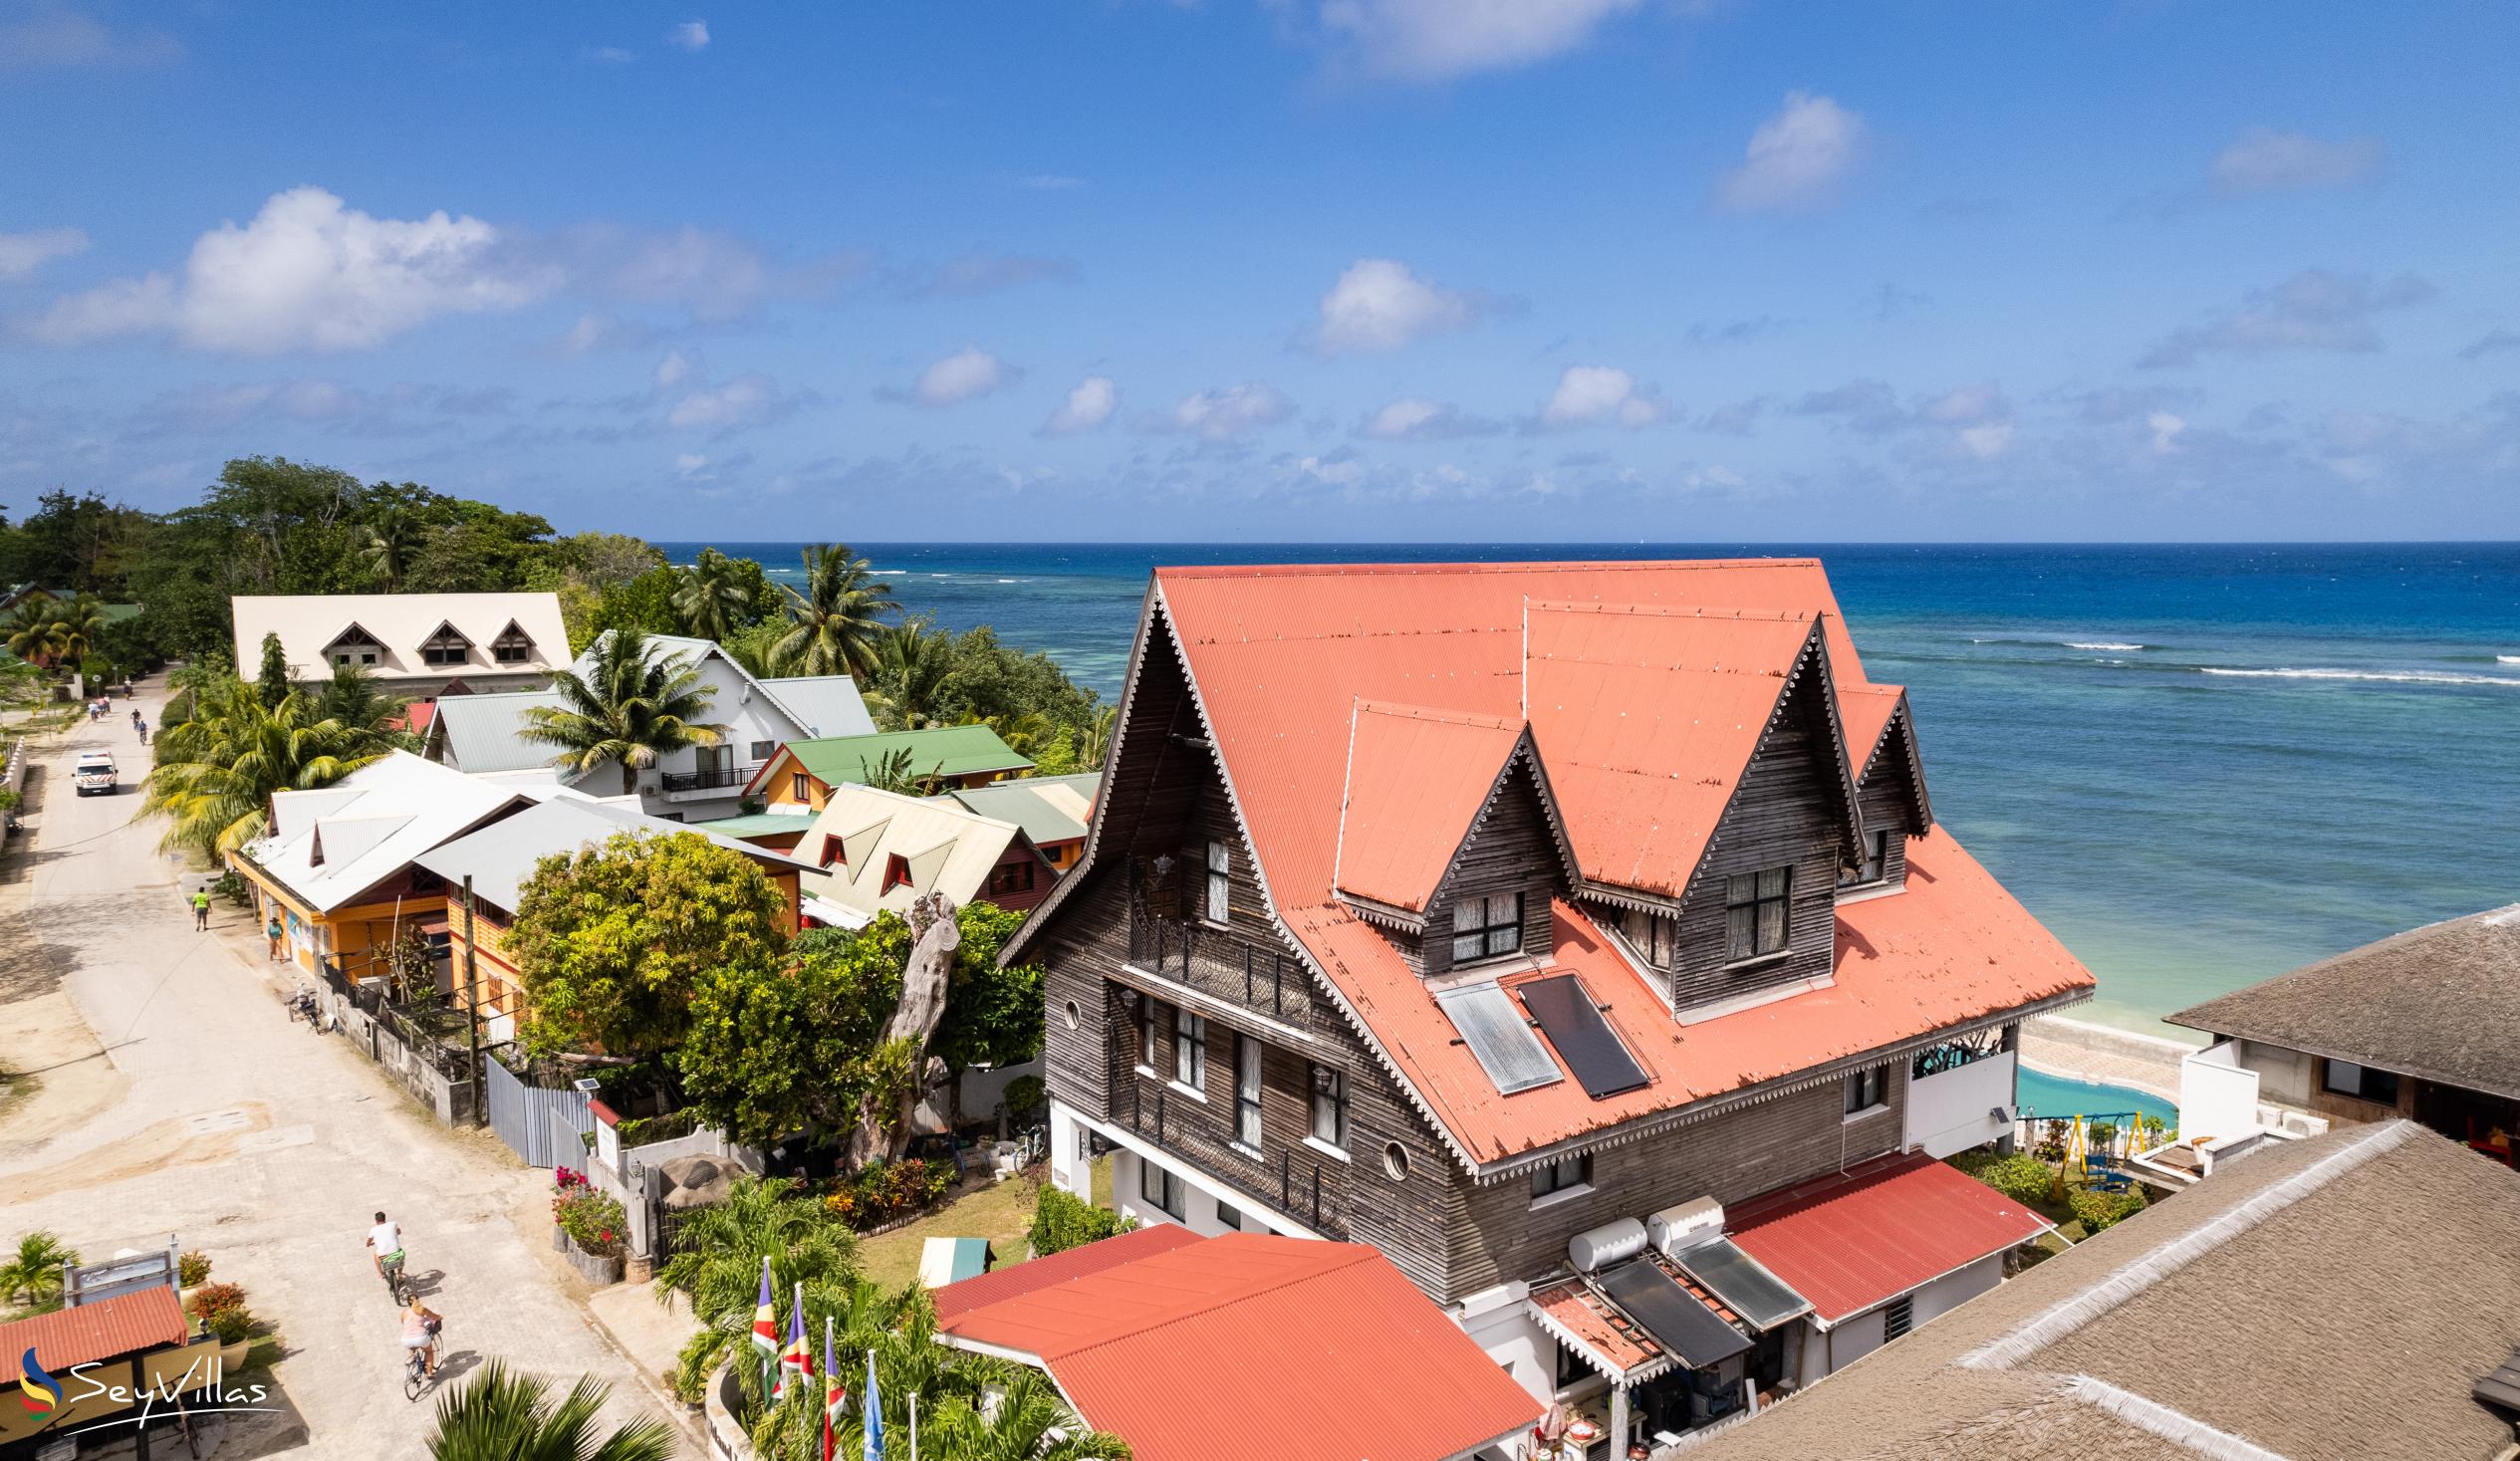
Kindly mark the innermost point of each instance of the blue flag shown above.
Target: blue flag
(872, 1406)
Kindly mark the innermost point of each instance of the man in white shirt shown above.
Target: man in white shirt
(385, 1240)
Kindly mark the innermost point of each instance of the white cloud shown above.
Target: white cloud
(966, 375)
(54, 34)
(1796, 159)
(691, 35)
(2263, 161)
(1416, 418)
(1378, 305)
(2314, 310)
(307, 274)
(672, 370)
(22, 254)
(1430, 40)
(1221, 415)
(750, 399)
(596, 331)
(2165, 429)
(613, 55)
(971, 274)
(1091, 404)
(1601, 395)
(692, 465)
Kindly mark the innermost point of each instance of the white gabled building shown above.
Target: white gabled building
(416, 645)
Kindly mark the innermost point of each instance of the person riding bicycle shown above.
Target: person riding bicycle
(420, 1331)
(384, 1241)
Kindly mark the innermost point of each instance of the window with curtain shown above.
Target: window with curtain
(1756, 905)
(1220, 865)
(1489, 927)
(1247, 1092)
(1189, 1049)
(1330, 1107)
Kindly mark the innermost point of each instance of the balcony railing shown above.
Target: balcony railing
(1215, 962)
(1299, 1184)
(714, 777)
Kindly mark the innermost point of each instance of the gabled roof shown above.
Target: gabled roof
(1049, 808)
(372, 823)
(950, 749)
(2336, 1297)
(125, 1323)
(817, 705)
(1417, 779)
(1295, 1350)
(1851, 1240)
(1015, 1280)
(2439, 1002)
(309, 624)
(1647, 718)
(947, 848)
(485, 733)
(501, 856)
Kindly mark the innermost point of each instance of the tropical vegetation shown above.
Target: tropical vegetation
(1062, 1220)
(217, 771)
(32, 1278)
(630, 705)
(835, 619)
(501, 1414)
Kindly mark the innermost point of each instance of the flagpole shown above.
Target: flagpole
(914, 1425)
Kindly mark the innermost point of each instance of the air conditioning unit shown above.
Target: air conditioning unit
(1691, 1223)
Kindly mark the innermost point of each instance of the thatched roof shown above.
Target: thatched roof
(2439, 1002)
(2332, 1297)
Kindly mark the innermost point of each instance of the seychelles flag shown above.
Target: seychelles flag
(795, 1361)
(872, 1404)
(765, 1322)
(835, 1394)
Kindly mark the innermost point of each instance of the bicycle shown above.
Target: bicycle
(416, 1376)
(395, 1284)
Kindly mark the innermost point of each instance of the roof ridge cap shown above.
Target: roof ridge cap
(1437, 713)
(1677, 610)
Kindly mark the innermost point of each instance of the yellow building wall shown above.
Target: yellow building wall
(778, 786)
(355, 936)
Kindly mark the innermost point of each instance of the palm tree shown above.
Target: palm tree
(35, 632)
(351, 696)
(392, 540)
(717, 1265)
(217, 772)
(78, 622)
(834, 614)
(629, 706)
(34, 1276)
(914, 662)
(709, 599)
(1094, 739)
(894, 772)
(500, 1415)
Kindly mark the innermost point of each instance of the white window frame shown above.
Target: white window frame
(1219, 904)
(1248, 1122)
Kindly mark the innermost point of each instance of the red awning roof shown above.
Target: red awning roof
(1016, 1280)
(1250, 1348)
(1856, 1239)
(123, 1324)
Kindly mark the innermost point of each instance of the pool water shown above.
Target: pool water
(2055, 1095)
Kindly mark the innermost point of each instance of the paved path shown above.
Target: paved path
(174, 1095)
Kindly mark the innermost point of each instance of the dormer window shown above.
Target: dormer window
(513, 646)
(1755, 908)
(1487, 929)
(355, 645)
(897, 872)
(1874, 864)
(835, 851)
(446, 647)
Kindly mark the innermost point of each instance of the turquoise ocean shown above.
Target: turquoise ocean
(2199, 765)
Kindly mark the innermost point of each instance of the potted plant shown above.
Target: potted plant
(192, 1270)
(592, 1224)
(235, 1330)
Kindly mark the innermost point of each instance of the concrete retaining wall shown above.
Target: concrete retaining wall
(2089, 1051)
(450, 1099)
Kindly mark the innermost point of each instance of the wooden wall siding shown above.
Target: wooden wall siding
(1732, 1158)
(1784, 812)
(1144, 800)
(1044, 878)
(1887, 808)
(1080, 1065)
(1509, 849)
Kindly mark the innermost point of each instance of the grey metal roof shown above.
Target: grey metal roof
(486, 732)
(501, 856)
(826, 704)
(1021, 801)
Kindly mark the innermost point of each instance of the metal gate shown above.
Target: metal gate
(539, 1123)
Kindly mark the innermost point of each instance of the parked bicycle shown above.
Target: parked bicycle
(301, 1005)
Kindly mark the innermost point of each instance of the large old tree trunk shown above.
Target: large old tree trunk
(883, 1118)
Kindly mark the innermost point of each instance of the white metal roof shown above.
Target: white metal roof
(369, 825)
(485, 733)
(309, 622)
(948, 850)
(501, 856)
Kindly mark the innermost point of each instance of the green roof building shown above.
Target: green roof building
(948, 757)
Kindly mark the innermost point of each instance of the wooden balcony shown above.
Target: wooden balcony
(1215, 962)
(1302, 1185)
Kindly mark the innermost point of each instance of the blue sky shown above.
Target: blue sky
(1547, 270)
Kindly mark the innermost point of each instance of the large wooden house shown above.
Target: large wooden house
(1577, 935)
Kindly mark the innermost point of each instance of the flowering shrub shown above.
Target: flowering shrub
(593, 1220)
(568, 1179)
(884, 1190)
(215, 1298)
(193, 1268)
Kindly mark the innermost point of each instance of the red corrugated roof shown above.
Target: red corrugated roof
(1014, 1280)
(1589, 1317)
(1865, 711)
(1250, 1348)
(1666, 692)
(123, 1324)
(1853, 1239)
(1416, 778)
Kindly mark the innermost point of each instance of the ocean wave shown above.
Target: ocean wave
(2111, 644)
(2395, 677)
(2507, 659)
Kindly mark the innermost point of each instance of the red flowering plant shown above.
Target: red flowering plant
(593, 1220)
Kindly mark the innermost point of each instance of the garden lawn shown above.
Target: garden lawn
(1002, 1213)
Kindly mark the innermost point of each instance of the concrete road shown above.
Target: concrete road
(173, 1095)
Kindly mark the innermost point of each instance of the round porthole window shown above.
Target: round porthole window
(1072, 1013)
(1394, 1160)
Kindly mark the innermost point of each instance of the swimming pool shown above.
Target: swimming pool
(2055, 1095)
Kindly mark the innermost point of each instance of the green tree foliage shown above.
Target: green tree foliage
(33, 1274)
(1062, 1220)
(217, 771)
(709, 598)
(391, 541)
(2096, 1209)
(351, 697)
(271, 681)
(915, 666)
(643, 605)
(78, 543)
(835, 619)
(716, 1265)
(502, 1415)
(612, 940)
(895, 772)
(35, 632)
(629, 706)
(2022, 1177)
(82, 621)
(783, 1048)
(993, 1014)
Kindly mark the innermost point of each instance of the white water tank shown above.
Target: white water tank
(1594, 1251)
(1675, 1228)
